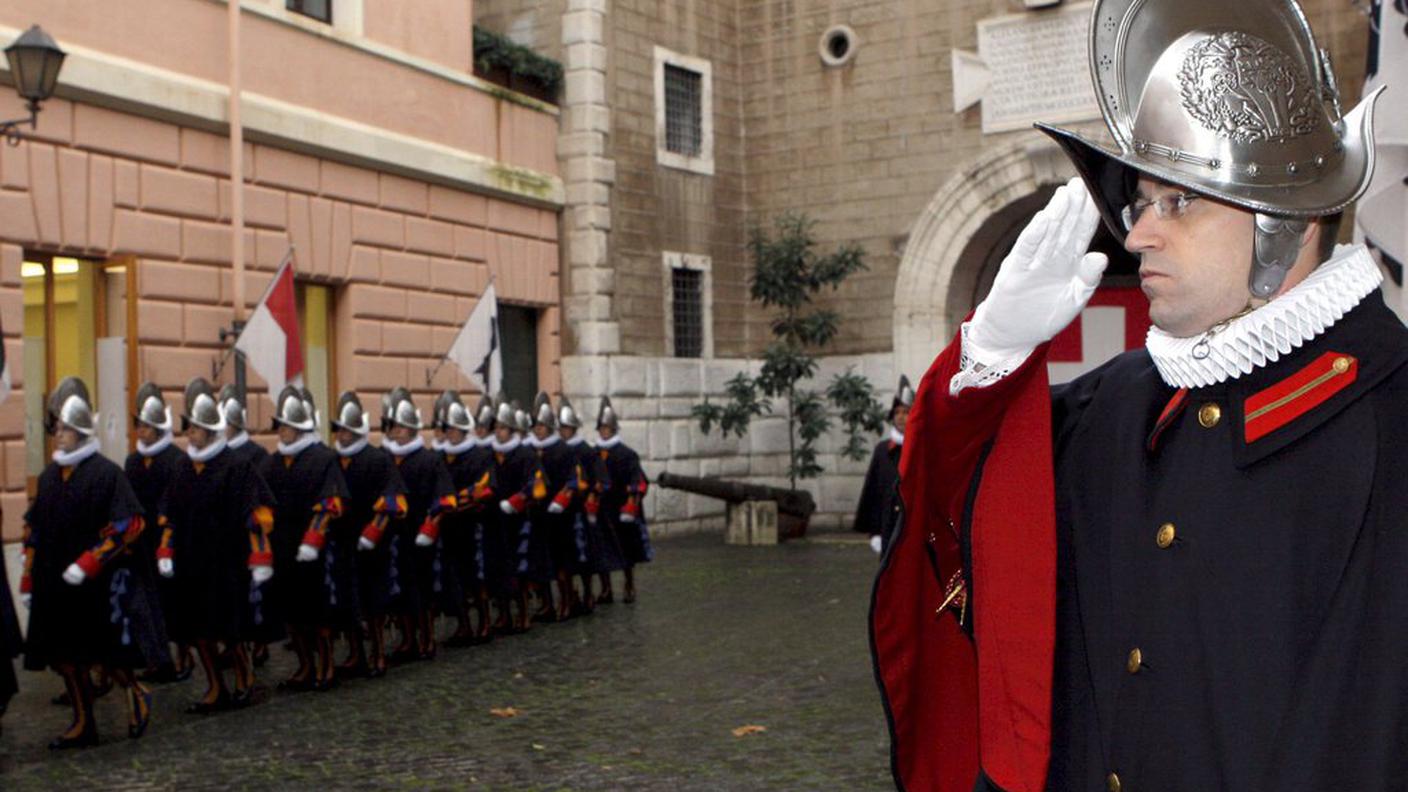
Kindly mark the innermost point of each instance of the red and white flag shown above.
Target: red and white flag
(270, 341)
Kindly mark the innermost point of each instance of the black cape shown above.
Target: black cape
(879, 507)
(91, 622)
(302, 592)
(149, 477)
(515, 473)
(418, 572)
(210, 513)
(619, 476)
(373, 485)
(462, 532)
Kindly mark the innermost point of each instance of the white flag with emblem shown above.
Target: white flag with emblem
(476, 349)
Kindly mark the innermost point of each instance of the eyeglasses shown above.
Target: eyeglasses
(1166, 207)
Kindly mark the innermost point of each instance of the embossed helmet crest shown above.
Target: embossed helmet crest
(202, 409)
(151, 408)
(350, 415)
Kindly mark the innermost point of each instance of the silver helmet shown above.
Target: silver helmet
(458, 416)
(505, 412)
(71, 406)
(151, 408)
(400, 410)
(1232, 100)
(522, 421)
(311, 407)
(442, 404)
(904, 396)
(202, 408)
(232, 406)
(291, 409)
(484, 412)
(350, 415)
(543, 412)
(567, 414)
(606, 415)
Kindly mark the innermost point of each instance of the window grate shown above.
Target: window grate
(320, 10)
(684, 113)
(688, 303)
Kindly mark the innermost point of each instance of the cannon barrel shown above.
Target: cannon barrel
(797, 503)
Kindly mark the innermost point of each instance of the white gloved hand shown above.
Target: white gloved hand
(261, 574)
(424, 540)
(875, 544)
(506, 507)
(363, 543)
(627, 517)
(1045, 281)
(75, 575)
(27, 600)
(556, 508)
(166, 567)
(307, 552)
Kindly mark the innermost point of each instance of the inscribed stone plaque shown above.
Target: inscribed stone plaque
(1040, 68)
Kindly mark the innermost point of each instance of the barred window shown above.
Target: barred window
(684, 115)
(320, 10)
(688, 304)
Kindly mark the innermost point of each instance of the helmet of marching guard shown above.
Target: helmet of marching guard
(484, 412)
(292, 409)
(232, 406)
(350, 415)
(312, 408)
(542, 411)
(151, 408)
(567, 414)
(606, 415)
(522, 421)
(458, 416)
(442, 404)
(71, 406)
(904, 396)
(201, 407)
(1230, 100)
(504, 413)
(401, 410)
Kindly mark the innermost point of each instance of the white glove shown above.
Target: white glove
(363, 543)
(1044, 282)
(307, 552)
(261, 574)
(424, 540)
(591, 519)
(506, 507)
(27, 600)
(556, 508)
(166, 567)
(875, 543)
(75, 575)
(627, 518)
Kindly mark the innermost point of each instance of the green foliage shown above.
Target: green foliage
(787, 275)
(493, 51)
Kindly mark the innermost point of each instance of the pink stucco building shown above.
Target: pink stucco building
(402, 182)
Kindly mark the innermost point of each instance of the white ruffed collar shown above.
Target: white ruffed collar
(238, 440)
(350, 450)
(87, 448)
(300, 445)
(203, 455)
(612, 443)
(462, 447)
(160, 445)
(896, 436)
(403, 449)
(504, 448)
(1262, 336)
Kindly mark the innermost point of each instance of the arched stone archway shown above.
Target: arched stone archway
(976, 203)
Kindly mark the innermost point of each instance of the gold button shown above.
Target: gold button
(1341, 365)
(1209, 414)
(1136, 659)
(1112, 782)
(1164, 539)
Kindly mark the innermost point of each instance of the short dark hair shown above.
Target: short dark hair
(1329, 234)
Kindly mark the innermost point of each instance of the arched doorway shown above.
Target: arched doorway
(965, 232)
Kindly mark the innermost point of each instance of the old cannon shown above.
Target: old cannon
(748, 507)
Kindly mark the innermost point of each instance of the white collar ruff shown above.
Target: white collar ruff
(238, 440)
(84, 450)
(160, 445)
(350, 450)
(403, 449)
(298, 446)
(504, 448)
(612, 443)
(203, 455)
(896, 436)
(1262, 336)
(462, 447)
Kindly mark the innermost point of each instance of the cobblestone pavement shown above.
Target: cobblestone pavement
(642, 696)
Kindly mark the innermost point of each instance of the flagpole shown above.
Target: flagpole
(236, 191)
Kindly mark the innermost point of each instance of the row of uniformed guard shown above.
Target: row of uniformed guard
(225, 548)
